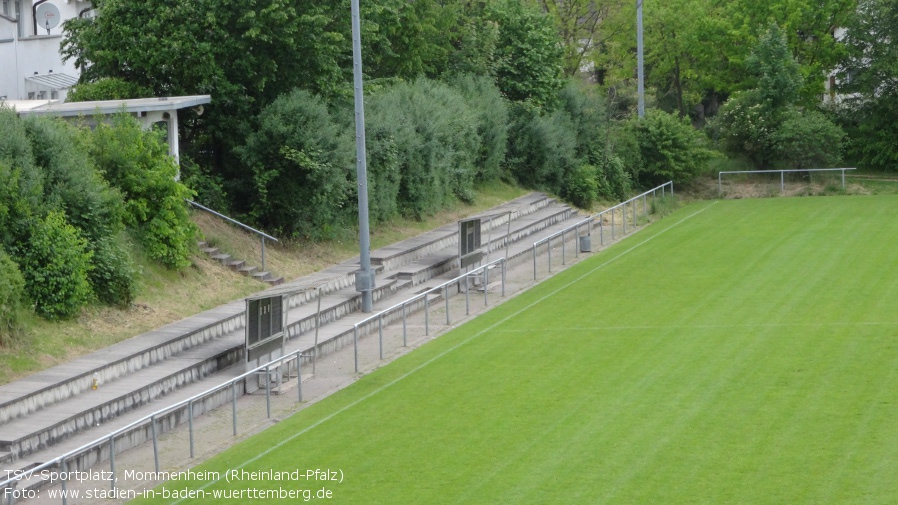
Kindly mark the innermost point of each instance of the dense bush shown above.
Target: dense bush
(113, 275)
(580, 187)
(542, 148)
(491, 113)
(12, 289)
(807, 139)
(764, 124)
(436, 141)
(55, 264)
(21, 182)
(301, 161)
(137, 163)
(670, 148)
(110, 88)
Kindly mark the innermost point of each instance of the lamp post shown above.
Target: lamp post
(364, 277)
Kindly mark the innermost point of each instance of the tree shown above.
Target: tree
(765, 124)
(300, 160)
(584, 26)
(869, 79)
(529, 53)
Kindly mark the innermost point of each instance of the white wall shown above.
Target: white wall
(34, 53)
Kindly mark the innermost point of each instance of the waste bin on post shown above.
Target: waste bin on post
(585, 244)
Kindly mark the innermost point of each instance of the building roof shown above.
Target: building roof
(69, 109)
(53, 81)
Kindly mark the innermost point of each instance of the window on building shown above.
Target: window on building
(21, 21)
(54, 95)
(6, 7)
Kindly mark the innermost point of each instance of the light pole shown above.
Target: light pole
(364, 277)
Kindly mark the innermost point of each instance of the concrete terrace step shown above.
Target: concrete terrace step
(132, 376)
(407, 251)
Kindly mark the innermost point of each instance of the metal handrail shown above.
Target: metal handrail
(109, 438)
(423, 295)
(262, 235)
(782, 174)
(588, 222)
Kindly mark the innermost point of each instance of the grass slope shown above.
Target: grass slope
(736, 352)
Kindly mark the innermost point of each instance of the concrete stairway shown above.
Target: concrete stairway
(239, 265)
(57, 410)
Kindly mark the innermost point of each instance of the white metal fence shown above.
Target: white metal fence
(782, 174)
(619, 216)
(291, 361)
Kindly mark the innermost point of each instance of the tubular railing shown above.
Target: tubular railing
(620, 208)
(444, 287)
(262, 235)
(61, 461)
(782, 175)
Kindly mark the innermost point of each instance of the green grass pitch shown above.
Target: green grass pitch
(740, 351)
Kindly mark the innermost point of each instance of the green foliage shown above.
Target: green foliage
(137, 163)
(55, 264)
(869, 78)
(808, 139)
(776, 71)
(208, 187)
(72, 183)
(580, 187)
(21, 190)
(107, 88)
(542, 148)
(436, 139)
(765, 125)
(113, 275)
(529, 53)
(671, 149)
(490, 111)
(612, 180)
(301, 161)
(12, 290)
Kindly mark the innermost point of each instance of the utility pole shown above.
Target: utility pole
(364, 277)
(639, 61)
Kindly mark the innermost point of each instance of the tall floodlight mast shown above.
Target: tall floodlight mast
(640, 108)
(364, 277)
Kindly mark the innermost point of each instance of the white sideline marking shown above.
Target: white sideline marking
(447, 351)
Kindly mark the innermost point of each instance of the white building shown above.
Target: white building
(30, 36)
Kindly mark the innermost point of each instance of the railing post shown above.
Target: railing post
(380, 335)
(64, 467)
(404, 338)
(504, 263)
(317, 325)
(355, 347)
(601, 229)
(112, 460)
(782, 181)
(467, 295)
(190, 425)
(446, 295)
(671, 189)
(719, 186)
(534, 261)
(234, 405)
(549, 251)
(263, 252)
(624, 216)
(427, 313)
(486, 285)
(155, 442)
(576, 241)
(843, 179)
(299, 375)
(268, 390)
(612, 224)
(563, 249)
